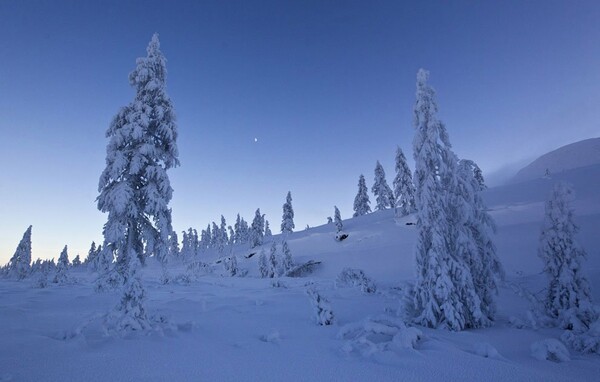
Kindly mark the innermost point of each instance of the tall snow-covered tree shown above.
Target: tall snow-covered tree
(76, 261)
(338, 219)
(444, 294)
(384, 196)
(174, 251)
(237, 229)
(404, 189)
(134, 187)
(273, 263)
(361, 201)
(231, 240)
(62, 267)
(91, 261)
(263, 265)
(268, 233)
(287, 263)
(257, 232)
(20, 264)
(287, 220)
(215, 236)
(568, 296)
(479, 228)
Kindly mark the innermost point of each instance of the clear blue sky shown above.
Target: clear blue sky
(327, 88)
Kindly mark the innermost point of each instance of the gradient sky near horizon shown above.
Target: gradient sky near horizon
(325, 87)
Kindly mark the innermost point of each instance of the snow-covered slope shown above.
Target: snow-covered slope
(252, 329)
(575, 155)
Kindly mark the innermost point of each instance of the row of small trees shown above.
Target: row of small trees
(401, 199)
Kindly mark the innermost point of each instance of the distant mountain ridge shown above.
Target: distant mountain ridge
(575, 155)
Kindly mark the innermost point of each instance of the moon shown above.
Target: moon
(255, 140)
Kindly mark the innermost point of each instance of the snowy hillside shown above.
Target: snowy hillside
(579, 154)
(226, 328)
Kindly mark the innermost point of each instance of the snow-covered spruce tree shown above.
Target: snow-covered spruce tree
(443, 294)
(62, 268)
(257, 232)
(223, 238)
(329, 220)
(384, 197)
(174, 251)
(268, 233)
(486, 269)
(231, 240)
(361, 201)
(338, 219)
(134, 187)
(20, 264)
(287, 263)
(209, 237)
(237, 229)
(244, 232)
(91, 258)
(76, 262)
(568, 296)
(273, 263)
(404, 189)
(108, 275)
(263, 265)
(215, 238)
(287, 220)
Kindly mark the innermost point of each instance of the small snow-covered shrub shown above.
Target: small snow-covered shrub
(485, 350)
(550, 349)
(231, 266)
(278, 284)
(357, 278)
(378, 334)
(323, 313)
(272, 337)
(584, 341)
(303, 269)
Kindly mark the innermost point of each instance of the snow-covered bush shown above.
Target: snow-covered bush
(584, 341)
(356, 278)
(322, 308)
(550, 349)
(231, 265)
(303, 269)
(379, 334)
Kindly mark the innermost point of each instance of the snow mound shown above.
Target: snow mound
(379, 334)
(550, 349)
(485, 350)
(579, 154)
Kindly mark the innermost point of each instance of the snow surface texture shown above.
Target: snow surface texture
(219, 328)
